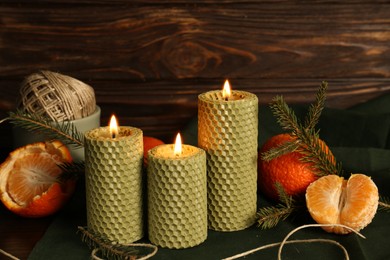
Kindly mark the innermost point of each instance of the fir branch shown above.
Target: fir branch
(316, 108)
(114, 250)
(63, 131)
(284, 114)
(384, 204)
(310, 146)
(283, 196)
(279, 150)
(71, 170)
(318, 154)
(269, 217)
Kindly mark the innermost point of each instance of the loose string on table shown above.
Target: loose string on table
(284, 242)
(96, 250)
(280, 244)
(8, 255)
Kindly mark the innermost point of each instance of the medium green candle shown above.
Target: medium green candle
(113, 170)
(177, 196)
(228, 132)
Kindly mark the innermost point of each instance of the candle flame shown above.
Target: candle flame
(226, 92)
(113, 127)
(178, 145)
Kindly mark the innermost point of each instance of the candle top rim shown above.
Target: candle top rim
(236, 96)
(166, 151)
(103, 133)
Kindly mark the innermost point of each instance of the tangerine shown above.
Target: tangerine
(288, 169)
(149, 143)
(333, 200)
(29, 183)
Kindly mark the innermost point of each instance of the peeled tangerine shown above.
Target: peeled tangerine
(333, 200)
(29, 184)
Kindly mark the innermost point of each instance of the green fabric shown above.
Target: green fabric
(359, 138)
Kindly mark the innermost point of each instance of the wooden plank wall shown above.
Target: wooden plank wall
(149, 60)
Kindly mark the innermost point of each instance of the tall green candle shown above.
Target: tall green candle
(177, 196)
(113, 170)
(228, 132)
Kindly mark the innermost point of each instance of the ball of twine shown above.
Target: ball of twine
(56, 96)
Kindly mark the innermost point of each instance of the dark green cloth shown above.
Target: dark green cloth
(359, 138)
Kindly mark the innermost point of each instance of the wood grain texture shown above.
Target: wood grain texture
(19, 235)
(148, 60)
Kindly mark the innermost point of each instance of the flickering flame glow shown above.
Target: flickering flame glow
(113, 127)
(178, 146)
(226, 92)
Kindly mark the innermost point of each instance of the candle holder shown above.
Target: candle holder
(113, 170)
(228, 132)
(177, 197)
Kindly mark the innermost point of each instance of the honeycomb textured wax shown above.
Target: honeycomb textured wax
(113, 168)
(177, 197)
(228, 132)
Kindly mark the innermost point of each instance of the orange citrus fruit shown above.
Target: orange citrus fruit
(28, 179)
(288, 169)
(149, 143)
(333, 200)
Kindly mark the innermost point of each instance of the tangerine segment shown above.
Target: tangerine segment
(36, 171)
(48, 203)
(333, 200)
(363, 201)
(28, 179)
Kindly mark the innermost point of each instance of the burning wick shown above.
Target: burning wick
(113, 127)
(178, 147)
(226, 91)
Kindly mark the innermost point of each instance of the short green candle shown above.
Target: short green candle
(177, 196)
(113, 176)
(228, 132)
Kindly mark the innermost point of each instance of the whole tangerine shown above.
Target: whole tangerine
(149, 143)
(29, 184)
(288, 169)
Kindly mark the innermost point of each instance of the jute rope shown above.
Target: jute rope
(284, 242)
(280, 244)
(10, 256)
(56, 96)
(96, 250)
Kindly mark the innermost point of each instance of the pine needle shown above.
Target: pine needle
(307, 137)
(65, 131)
(269, 217)
(316, 152)
(281, 149)
(316, 108)
(113, 250)
(71, 170)
(384, 204)
(285, 116)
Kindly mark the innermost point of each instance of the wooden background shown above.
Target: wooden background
(149, 60)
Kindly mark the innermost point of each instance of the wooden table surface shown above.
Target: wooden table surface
(18, 235)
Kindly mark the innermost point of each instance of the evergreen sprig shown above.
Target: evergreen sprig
(116, 251)
(306, 137)
(281, 149)
(270, 216)
(64, 131)
(315, 109)
(71, 170)
(285, 116)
